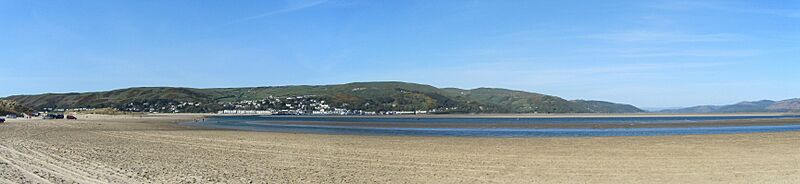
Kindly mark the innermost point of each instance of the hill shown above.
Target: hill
(607, 107)
(10, 107)
(792, 105)
(367, 96)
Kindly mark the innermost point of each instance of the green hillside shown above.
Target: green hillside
(10, 107)
(606, 107)
(368, 96)
(509, 101)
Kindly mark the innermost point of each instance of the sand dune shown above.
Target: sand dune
(126, 149)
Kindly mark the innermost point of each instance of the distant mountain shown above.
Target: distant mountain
(10, 107)
(792, 105)
(368, 96)
(786, 105)
(695, 109)
(657, 109)
(607, 107)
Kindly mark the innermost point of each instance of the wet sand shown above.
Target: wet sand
(127, 149)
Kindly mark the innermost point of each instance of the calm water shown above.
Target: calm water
(283, 124)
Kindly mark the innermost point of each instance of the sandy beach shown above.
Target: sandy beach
(154, 149)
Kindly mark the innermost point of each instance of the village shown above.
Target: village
(294, 105)
(300, 105)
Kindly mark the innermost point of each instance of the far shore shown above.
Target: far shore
(497, 115)
(725, 123)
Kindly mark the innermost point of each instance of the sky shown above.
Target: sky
(646, 53)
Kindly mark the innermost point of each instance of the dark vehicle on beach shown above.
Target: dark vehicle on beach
(2, 120)
(54, 116)
(71, 117)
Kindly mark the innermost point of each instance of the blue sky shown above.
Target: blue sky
(647, 53)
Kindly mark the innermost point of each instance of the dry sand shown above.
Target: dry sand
(126, 149)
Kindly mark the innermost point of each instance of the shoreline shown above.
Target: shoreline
(155, 149)
(511, 115)
(719, 123)
(577, 115)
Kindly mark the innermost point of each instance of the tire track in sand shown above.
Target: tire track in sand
(405, 165)
(86, 167)
(25, 172)
(396, 163)
(29, 164)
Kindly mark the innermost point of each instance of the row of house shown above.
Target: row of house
(294, 105)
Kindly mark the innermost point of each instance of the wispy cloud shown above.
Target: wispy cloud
(544, 79)
(659, 36)
(650, 52)
(683, 4)
(291, 7)
(640, 44)
(727, 6)
(618, 69)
